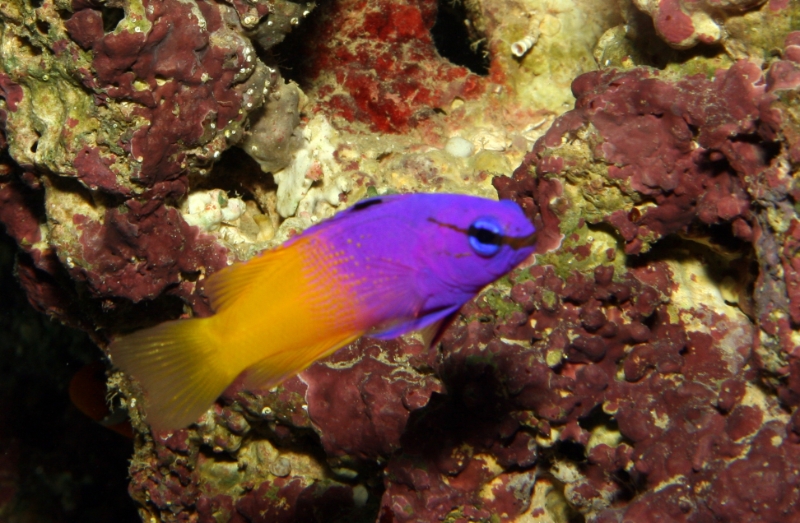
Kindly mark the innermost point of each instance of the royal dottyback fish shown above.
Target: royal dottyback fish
(383, 267)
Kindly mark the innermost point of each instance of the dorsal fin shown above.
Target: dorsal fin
(225, 286)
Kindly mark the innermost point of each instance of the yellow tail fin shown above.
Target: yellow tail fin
(180, 366)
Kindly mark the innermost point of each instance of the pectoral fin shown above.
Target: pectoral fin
(425, 320)
(432, 334)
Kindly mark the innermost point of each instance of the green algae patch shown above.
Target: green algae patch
(496, 297)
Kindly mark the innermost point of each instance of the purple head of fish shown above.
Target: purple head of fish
(420, 257)
(468, 243)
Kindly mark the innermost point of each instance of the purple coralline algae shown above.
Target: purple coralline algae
(108, 109)
(685, 23)
(700, 396)
(644, 367)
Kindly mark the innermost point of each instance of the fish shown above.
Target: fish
(88, 392)
(386, 266)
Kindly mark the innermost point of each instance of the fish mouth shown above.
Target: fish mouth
(520, 242)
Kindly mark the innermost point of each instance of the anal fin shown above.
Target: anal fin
(273, 369)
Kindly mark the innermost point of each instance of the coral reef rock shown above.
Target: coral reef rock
(644, 367)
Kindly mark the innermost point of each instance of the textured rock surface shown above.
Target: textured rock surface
(108, 110)
(699, 393)
(645, 368)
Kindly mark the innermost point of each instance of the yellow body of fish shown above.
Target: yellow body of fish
(184, 365)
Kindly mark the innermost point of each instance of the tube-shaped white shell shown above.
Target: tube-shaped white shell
(520, 47)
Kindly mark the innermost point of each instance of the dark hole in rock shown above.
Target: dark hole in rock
(453, 41)
(111, 17)
(571, 450)
(597, 417)
(32, 47)
(43, 27)
(628, 485)
(236, 173)
(191, 276)
(651, 321)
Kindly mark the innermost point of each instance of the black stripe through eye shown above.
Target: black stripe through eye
(363, 204)
(485, 236)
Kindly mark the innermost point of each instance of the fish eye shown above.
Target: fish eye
(485, 236)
